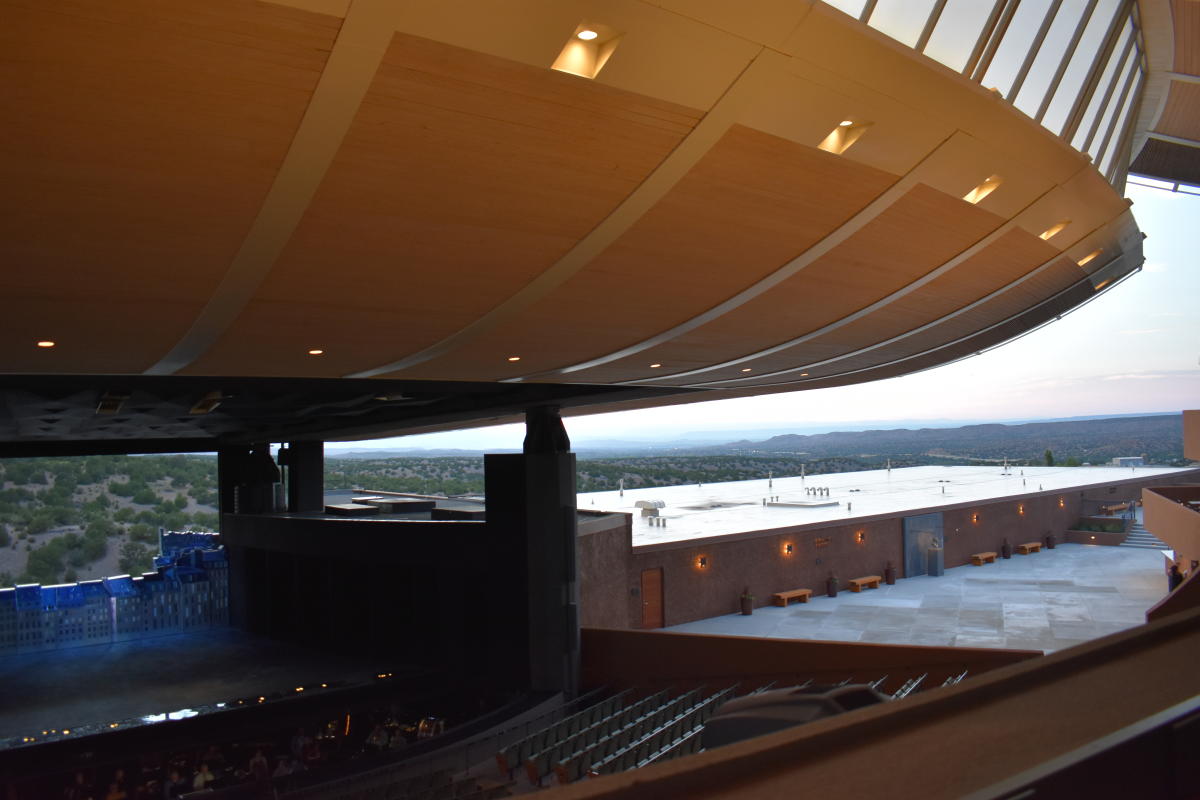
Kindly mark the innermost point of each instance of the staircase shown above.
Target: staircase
(1140, 537)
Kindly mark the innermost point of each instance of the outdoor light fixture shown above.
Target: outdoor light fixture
(975, 518)
(514, 358)
(747, 369)
(702, 562)
(1021, 509)
(803, 374)
(787, 549)
(655, 366)
(860, 537)
(1060, 502)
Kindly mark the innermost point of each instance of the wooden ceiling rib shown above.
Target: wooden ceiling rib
(463, 177)
(1181, 115)
(920, 232)
(140, 140)
(749, 206)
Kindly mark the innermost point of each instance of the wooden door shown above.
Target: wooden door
(652, 598)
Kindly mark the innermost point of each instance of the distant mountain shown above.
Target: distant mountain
(1158, 437)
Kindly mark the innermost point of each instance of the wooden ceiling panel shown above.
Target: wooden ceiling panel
(921, 231)
(752, 204)
(140, 139)
(463, 177)
(1187, 43)
(1181, 116)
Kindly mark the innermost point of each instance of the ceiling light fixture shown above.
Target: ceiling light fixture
(316, 352)
(747, 369)
(655, 366)
(46, 343)
(587, 35)
(514, 358)
(803, 374)
(845, 123)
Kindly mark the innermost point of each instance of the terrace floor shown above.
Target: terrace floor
(1044, 601)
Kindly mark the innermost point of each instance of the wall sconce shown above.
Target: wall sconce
(788, 549)
(1021, 509)
(702, 562)
(975, 519)
(1060, 502)
(860, 537)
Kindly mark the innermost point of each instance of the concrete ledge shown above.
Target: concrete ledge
(1094, 537)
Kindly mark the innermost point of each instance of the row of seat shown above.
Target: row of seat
(649, 748)
(520, 751)
(539, 764)
(619, 750)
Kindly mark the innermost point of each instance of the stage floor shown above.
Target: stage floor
(98, 684)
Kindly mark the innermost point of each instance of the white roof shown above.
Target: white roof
(716, 509)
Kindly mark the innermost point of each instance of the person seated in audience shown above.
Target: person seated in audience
(378, 740)
(115, 792)
(78, 789)
(299, 742)
(259, 769)
(175, 785)
(203, 777)
(283, 768)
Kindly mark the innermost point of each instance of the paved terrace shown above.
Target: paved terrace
(1045, 601)
(715, 509)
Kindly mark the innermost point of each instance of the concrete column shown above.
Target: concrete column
(306, 477)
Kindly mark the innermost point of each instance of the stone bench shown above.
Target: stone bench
(979, 559)
(1029, 547)
(782, 598)
(865, 582)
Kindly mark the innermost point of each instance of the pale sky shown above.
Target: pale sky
(1134, 348)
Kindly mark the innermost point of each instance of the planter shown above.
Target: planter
(1005, 550)
(889, 574)
(831, 587)
(747, 605)
(1050, 540)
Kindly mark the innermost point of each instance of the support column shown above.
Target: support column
(531, 507)
(306, 477)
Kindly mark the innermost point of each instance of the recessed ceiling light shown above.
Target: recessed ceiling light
(45, 343)
(514, 358)
(655, 366)
(587, 35)
(845, 123)
(315, 352)
(803, 374)
(747, 369)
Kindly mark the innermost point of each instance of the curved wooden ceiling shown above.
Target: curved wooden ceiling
(216, 188)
